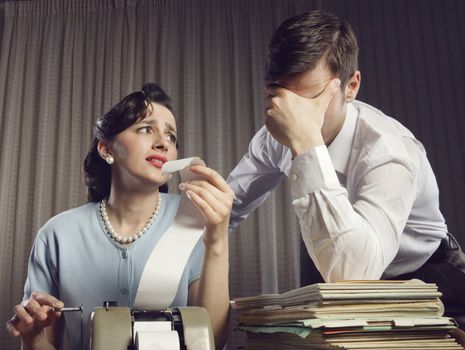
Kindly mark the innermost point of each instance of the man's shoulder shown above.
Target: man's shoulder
(367, 108)
(382, 137)
(373, 119)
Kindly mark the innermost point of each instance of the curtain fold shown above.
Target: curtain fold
(64, 62)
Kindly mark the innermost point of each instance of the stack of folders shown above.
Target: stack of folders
(349, 315)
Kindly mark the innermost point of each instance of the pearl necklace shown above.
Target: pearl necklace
(111, 231)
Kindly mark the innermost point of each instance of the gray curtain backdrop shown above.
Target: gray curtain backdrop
(64, 62)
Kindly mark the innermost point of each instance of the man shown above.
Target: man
(363, 190)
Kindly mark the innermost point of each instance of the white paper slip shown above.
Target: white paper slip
(181, 165)
(163, 270)
(141, 326)
(157, 340)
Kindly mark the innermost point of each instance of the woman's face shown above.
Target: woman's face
(141, 150)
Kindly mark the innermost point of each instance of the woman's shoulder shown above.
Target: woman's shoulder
(70, 217)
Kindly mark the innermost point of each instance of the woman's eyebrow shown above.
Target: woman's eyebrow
(170, 127)
(150, 121)
(145, 121)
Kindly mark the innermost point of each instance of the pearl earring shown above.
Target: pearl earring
(109, 159)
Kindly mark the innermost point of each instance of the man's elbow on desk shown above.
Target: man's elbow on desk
(347, 259)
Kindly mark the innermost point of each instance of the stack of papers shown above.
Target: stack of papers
(349, 315)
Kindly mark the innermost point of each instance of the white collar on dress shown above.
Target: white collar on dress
(339, 149)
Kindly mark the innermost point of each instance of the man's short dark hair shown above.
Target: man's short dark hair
(300, 42)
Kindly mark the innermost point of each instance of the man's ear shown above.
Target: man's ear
(103, 149)
(353, 85)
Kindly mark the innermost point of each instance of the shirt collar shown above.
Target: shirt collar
(339, 149)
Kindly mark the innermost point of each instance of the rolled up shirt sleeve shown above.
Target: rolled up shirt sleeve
(351, 238)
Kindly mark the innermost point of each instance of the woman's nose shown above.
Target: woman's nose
(160, 143)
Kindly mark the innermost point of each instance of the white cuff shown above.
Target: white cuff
(311, 171)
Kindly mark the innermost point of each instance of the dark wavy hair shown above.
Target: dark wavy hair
(300, 42)
(131, 109)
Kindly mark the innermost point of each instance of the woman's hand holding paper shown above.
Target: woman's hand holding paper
(214, 198)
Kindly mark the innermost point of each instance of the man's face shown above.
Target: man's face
(310, 85)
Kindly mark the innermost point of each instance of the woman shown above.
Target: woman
(97, 252)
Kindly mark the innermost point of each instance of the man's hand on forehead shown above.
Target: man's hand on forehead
(273, 86)
(296, 121)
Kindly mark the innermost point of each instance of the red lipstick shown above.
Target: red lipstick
(157, 160)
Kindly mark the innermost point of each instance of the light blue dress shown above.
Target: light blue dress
(74, 259)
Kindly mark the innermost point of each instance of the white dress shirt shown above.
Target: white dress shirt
(368, 205)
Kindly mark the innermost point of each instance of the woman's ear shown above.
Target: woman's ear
(105, 152)
(353, 85)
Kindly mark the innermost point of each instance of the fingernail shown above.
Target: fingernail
(188, 194)
(182, 186)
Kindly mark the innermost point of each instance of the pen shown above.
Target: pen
(69, 309)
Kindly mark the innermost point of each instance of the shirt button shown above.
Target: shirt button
(124, 290)
(124, 254)
(294, 177)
